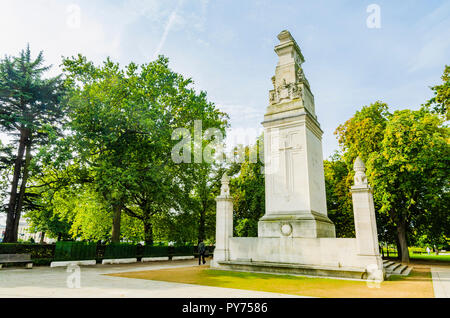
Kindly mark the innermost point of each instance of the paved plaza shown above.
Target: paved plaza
(441, 281)
(44, 281)
(52, 282)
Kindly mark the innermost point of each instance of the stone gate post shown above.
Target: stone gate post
(364, 214)
(224, 222)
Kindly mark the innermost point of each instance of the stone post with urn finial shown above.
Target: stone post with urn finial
(364, 214)
(224, 222)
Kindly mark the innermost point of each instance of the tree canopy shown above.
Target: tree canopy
(407, 157)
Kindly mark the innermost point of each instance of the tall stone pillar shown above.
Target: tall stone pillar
(364, 214)
(295, 183)
(224, 222)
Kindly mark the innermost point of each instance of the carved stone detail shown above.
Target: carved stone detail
(225, 189)
(360, 172)
(286, 229)
(286, 91)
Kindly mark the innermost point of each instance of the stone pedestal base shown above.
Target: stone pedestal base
(308, 224)
(221, 254)
(293, 269)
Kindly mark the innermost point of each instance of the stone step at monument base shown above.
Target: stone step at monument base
(394, 268)
(292, 269)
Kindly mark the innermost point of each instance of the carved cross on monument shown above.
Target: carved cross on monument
(286, 149)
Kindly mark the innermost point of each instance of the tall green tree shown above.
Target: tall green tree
(122, 121)
(407, 159)
(30, 105)
(107, 120)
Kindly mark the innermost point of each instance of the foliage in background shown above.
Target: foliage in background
(440, 103)
(248, 191)
(338, 181)
(407, 159)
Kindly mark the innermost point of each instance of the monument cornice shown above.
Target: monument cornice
(287, 41)
(297, 215)
(304, 116)
(285, 46)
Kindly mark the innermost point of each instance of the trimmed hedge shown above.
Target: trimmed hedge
(44, 254)
(120, 250)
(183, 250)
(155, 251)
(75, 251)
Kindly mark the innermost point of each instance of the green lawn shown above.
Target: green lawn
(445, 258)
(430, 257)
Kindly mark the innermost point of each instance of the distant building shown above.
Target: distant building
(25, 233)
(2, 232)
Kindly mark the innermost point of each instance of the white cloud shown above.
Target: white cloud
(172, 19)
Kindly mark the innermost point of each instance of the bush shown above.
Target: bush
(37, 251)
(417, 250)
(42, 261)
(246, 228)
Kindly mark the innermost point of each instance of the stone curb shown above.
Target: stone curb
(154, 259)
(119, 261)
(67, 263)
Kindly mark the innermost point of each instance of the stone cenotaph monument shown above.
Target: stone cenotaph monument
(295, 235)
(296, 205)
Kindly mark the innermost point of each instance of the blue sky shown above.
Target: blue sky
(226, 46)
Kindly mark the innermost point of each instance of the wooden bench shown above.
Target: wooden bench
(16, 259)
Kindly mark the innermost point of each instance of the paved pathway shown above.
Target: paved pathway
(441, 281)
(53, 282)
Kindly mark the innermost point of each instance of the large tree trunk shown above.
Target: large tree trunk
(117, 211)
(10, 232)
(399, 248)
(148, 232)
(401, 233)
(23, 187)
(42, 237)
